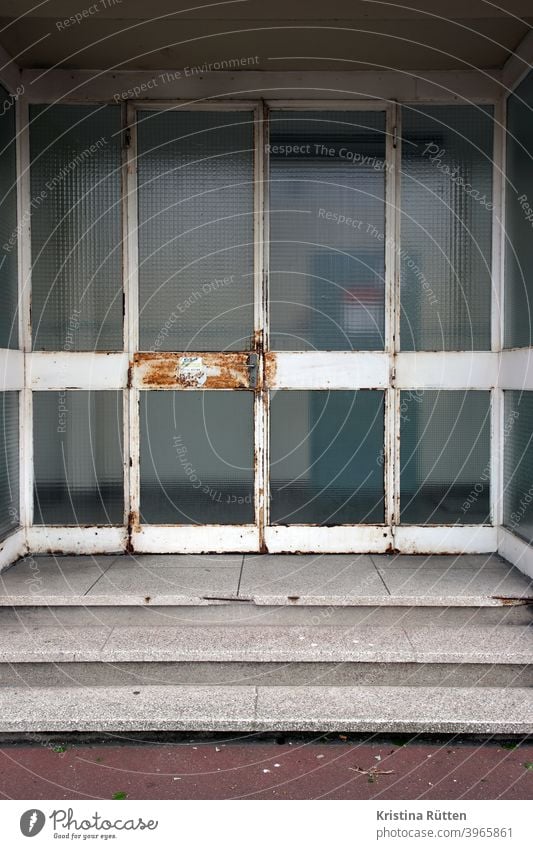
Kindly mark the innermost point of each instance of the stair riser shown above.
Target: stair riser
(250, 614)
(96, 674)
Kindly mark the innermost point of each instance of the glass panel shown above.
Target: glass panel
(327, 467)
(327, 230)
(446, 228)
(9, 463)
(77, 447)
(76, 226)
(518, 463)
(8, 223)
(197, 457)
(196, 230)
(445, 457)
(519, 218)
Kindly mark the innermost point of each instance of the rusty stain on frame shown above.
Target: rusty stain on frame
(228, 370)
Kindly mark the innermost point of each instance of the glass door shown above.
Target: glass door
(327, 366)
(196, 361)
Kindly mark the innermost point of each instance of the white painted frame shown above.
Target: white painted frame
(515, 365)
(389, 370)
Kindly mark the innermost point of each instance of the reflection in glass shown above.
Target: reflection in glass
(77, 443)
(326, 457)
(196, 230)
(197, 457)
(445, 457)
(327, 230)
(446, 227)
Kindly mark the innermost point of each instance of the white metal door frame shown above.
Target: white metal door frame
(390, 370)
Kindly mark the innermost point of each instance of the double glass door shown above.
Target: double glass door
(261, 370)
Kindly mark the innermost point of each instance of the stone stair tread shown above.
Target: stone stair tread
(50, 642)
(488, 710)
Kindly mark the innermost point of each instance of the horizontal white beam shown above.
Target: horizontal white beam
(328, 370)
(76, 540)
(517, 551)
(345, 539)
(195, 539)
(446, 370)
(430, 539)
(516, 369)
(11, 370)
(52, 86)
(12, 548)
(75, 370)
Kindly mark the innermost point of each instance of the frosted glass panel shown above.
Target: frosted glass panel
(519, 218)
(327, 230)
(445, 457)
(326, 457)
(518, 463)
(78, 458)
(9, 463)
(8, 224)
(197, 457)
(446, 226)
(196, 236)
(76, 225)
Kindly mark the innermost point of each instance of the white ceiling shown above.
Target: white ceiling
(282, 34)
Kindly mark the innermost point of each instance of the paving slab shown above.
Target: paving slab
(468, 576)
(52, 645)
(36, 580)
(482, 710)
(501, 644)
(130, 580)
(163, 561)
(126, 708)
(268, 644)
(311, 579)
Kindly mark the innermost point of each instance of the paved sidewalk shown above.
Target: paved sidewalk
(251, 768)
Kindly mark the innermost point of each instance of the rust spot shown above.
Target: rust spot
(508, 601)
(228, 370)
(270, 369)
(133, 525)
(148, 599)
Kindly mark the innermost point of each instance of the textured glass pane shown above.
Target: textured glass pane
(76, 228)
(326, 457)
(327, 230)
(77, 445)
(446, 227)
(9, 462)
(445, 457)
(519, 218)
(197, 458)
(196, 236)
(8, 224)
(518, 463)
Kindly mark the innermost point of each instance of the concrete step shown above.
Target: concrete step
(264, 580)
(499, 644)
(347, 674)
(217, 708)
(238, 614)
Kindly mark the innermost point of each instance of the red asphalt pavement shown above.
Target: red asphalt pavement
(332, 768)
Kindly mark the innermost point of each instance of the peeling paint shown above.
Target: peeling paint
(228, 370)
(271, 367)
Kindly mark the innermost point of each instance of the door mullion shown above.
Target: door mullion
(261, 423)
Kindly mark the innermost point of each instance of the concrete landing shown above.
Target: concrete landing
(292, 580)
